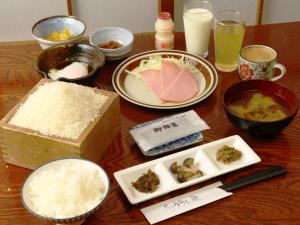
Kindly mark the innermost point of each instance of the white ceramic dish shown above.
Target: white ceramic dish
(135, 90)
(121, 35)
(204, 155)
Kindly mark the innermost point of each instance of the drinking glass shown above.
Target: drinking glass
(197, 20)
(229, 33)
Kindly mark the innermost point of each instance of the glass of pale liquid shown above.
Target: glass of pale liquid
(229, 33)
(197, 20)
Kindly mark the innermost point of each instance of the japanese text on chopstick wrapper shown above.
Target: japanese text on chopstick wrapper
(183, 203)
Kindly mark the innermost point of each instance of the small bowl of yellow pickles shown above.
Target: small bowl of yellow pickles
(56, 30)
(260, 107)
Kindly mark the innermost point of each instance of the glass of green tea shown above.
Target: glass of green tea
(229, 33)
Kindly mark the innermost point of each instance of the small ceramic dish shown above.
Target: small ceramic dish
(26, 192)
(279, 93)
(204, 157)
(58, 57)
(45, 27)
(117, 34)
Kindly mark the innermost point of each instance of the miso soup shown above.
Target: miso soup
(259, 106)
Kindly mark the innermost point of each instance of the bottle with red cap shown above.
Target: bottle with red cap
(164, 27)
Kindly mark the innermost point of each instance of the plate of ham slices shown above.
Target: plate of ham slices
(165, 79)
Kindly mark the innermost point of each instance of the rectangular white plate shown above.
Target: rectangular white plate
(204, 155)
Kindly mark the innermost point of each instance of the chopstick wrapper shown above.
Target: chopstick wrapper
(184, 203)
(203, 196)
(168, 129)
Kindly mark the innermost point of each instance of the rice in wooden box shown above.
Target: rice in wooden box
(31, 143)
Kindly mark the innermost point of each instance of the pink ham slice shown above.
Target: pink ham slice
(152, 79)
(169, 72)
(183, 88)
(171, 84)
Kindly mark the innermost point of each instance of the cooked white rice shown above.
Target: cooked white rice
(66, 191)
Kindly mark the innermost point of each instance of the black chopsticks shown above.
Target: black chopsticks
(256, 177)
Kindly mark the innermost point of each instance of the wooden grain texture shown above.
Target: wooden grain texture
(271, 202)
(167, 6)
(38, 149)
(259, 11)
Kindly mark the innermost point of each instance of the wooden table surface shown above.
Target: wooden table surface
(275, 201)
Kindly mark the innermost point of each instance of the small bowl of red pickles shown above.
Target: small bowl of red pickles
(114, 42)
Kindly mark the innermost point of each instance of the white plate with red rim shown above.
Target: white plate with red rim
(135, 90)
(204, 157)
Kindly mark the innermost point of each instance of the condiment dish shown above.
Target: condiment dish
(282, 96)
(116, 34)
(58, 57)
(204, 160)
(42, 29)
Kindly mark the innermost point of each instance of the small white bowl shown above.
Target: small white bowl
(76, 219)
(44, 27)
(121, 35)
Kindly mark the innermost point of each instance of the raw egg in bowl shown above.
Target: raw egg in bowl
(70, 62)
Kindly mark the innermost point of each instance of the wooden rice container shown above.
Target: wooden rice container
(27, 148)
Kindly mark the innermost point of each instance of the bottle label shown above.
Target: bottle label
(164, 44)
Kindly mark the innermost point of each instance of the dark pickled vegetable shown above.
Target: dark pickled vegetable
(228, 154)
(147, 183)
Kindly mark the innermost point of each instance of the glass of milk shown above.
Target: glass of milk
(197, 20)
